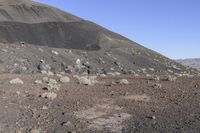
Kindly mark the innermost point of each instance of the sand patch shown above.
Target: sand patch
(142, 98)
(113, 123)
(104, 116)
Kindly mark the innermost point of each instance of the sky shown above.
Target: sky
(170, 27)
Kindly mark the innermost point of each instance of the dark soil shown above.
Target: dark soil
(136, 107)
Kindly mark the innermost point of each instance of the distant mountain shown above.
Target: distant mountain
(195, 62)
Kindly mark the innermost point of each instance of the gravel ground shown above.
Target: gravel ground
(138, 106)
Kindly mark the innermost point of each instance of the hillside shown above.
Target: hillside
(31, 33)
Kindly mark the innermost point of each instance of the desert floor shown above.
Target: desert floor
(106, 107)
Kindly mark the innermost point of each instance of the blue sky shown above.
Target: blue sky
(171, 27)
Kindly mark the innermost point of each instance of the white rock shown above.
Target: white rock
(44, 107)
(38, 82)
(44, 72)
(65, 79)
(170, 71)
(40, 49)
(59, 75)
(4, 50)
(148, 75)
(111, 74)
(62, 73)
(171, 78)
(52, 81)
(78, 62)
(16, 81)
(55, 52)
(124, 81)
(45, 79)
(117, 73)
(102, 75)
(137, 75)
(87, 80)
(49, 73)
(151, 69)
(35, 131)
(50, 95)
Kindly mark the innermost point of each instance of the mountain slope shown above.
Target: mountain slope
(37, 26)
(27, 11)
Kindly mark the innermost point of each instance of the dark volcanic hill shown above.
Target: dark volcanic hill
(34, 23)
(31, 32)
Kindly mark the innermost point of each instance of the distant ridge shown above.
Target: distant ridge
(192, 62)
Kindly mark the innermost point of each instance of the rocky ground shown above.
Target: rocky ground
(60, 103)
(27, 58)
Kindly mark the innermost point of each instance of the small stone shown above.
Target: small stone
(62, 73)
(117, 73)
(59, 75)
(16, 81)
(49, 95)
(170, 71)
(45, 79)
(52, 81)
(102, 75)
(124, 81)
(78, 62)
(151, 69)
(52, 84)
(43, 66)
(171, 78)
(40, 49)
(87, 80)
(66, 124)
(65, 79)
(4, 50)
(69, 52)
(55, 52)
(43, 72)
(148, 75)
(44, 107)
(21, 130)
(113, 83)
(69, 69)
(156, 78)
(151, 117)
(35, 131)
(111, 74)
(157, 86)
(38, 82)
(18, 93)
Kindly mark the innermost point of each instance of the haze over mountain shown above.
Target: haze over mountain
(192, 62)
(38, 25)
